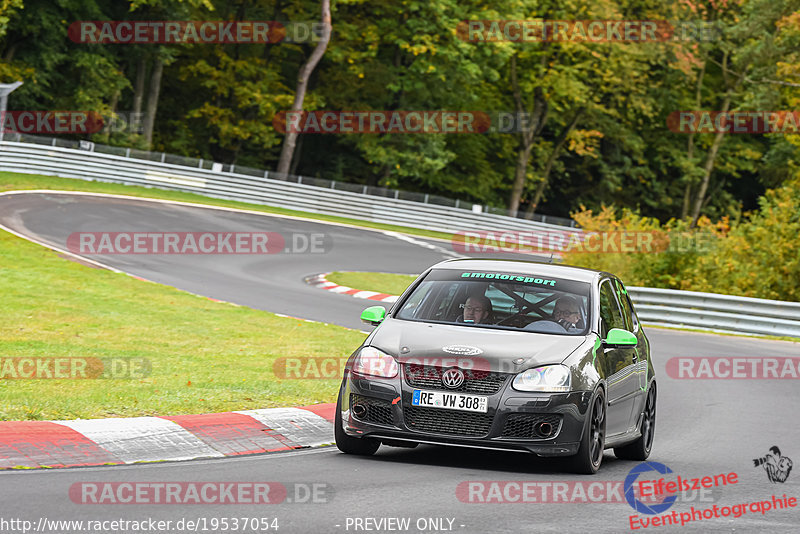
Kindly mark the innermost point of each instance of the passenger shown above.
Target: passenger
(567, 312)
(477, 309)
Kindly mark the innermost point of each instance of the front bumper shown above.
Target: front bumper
(509, 423)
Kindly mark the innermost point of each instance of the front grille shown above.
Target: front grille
(440, 421)
(523, 425)
(430, 377)
(379, 411)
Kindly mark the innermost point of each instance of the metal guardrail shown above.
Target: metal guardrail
(262, 189)
(197, 163)
(708, 311)
(711, 311)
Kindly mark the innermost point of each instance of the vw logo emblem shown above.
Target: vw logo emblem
(452, 378)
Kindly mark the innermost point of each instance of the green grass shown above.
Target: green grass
(393, 284)
(205, 356)
(10, 181)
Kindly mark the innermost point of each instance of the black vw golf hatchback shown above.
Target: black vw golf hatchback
(507, 355)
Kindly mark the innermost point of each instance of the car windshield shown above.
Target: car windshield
(504, 300)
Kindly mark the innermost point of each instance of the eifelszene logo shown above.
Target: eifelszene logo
(777, 467)
(666, 492)
(629, 489)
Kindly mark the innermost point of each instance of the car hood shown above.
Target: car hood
(467, 346)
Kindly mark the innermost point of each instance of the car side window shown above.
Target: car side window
(627, 310)
(610, 313)
(414, 306)
(627, 299)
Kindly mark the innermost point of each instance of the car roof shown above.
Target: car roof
(523, 267)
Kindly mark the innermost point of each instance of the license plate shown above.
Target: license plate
(453, 401)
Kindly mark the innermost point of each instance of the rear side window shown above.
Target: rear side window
(627, 299)
(610, 312)
(627, 308)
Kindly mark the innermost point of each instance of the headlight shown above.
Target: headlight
(551, 378)
(371, 361)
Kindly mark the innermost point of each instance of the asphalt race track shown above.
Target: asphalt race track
(705, 427)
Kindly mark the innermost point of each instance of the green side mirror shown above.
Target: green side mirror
(618, 337)
(373, 315)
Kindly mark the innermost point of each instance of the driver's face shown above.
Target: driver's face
(474, 311)
(567, 313)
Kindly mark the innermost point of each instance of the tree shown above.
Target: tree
(302, 84)
(7, 8)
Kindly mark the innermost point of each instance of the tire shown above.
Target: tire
(590, 452)
(349, 444)
(640, 449)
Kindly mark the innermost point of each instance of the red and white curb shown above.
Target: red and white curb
(85, 442)
(322, 282)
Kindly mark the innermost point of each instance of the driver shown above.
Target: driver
(477, 309)
(567, 312)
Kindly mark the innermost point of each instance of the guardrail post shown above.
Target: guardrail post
(163, 157)
(128, 152)
(266, 175)
(426, 198)
(200, 164)
(299, 179)
(5, 90)
(396, 194)
(54, 142)
(333, 184)
(457, 202)
(364, 192)
(232, 166)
